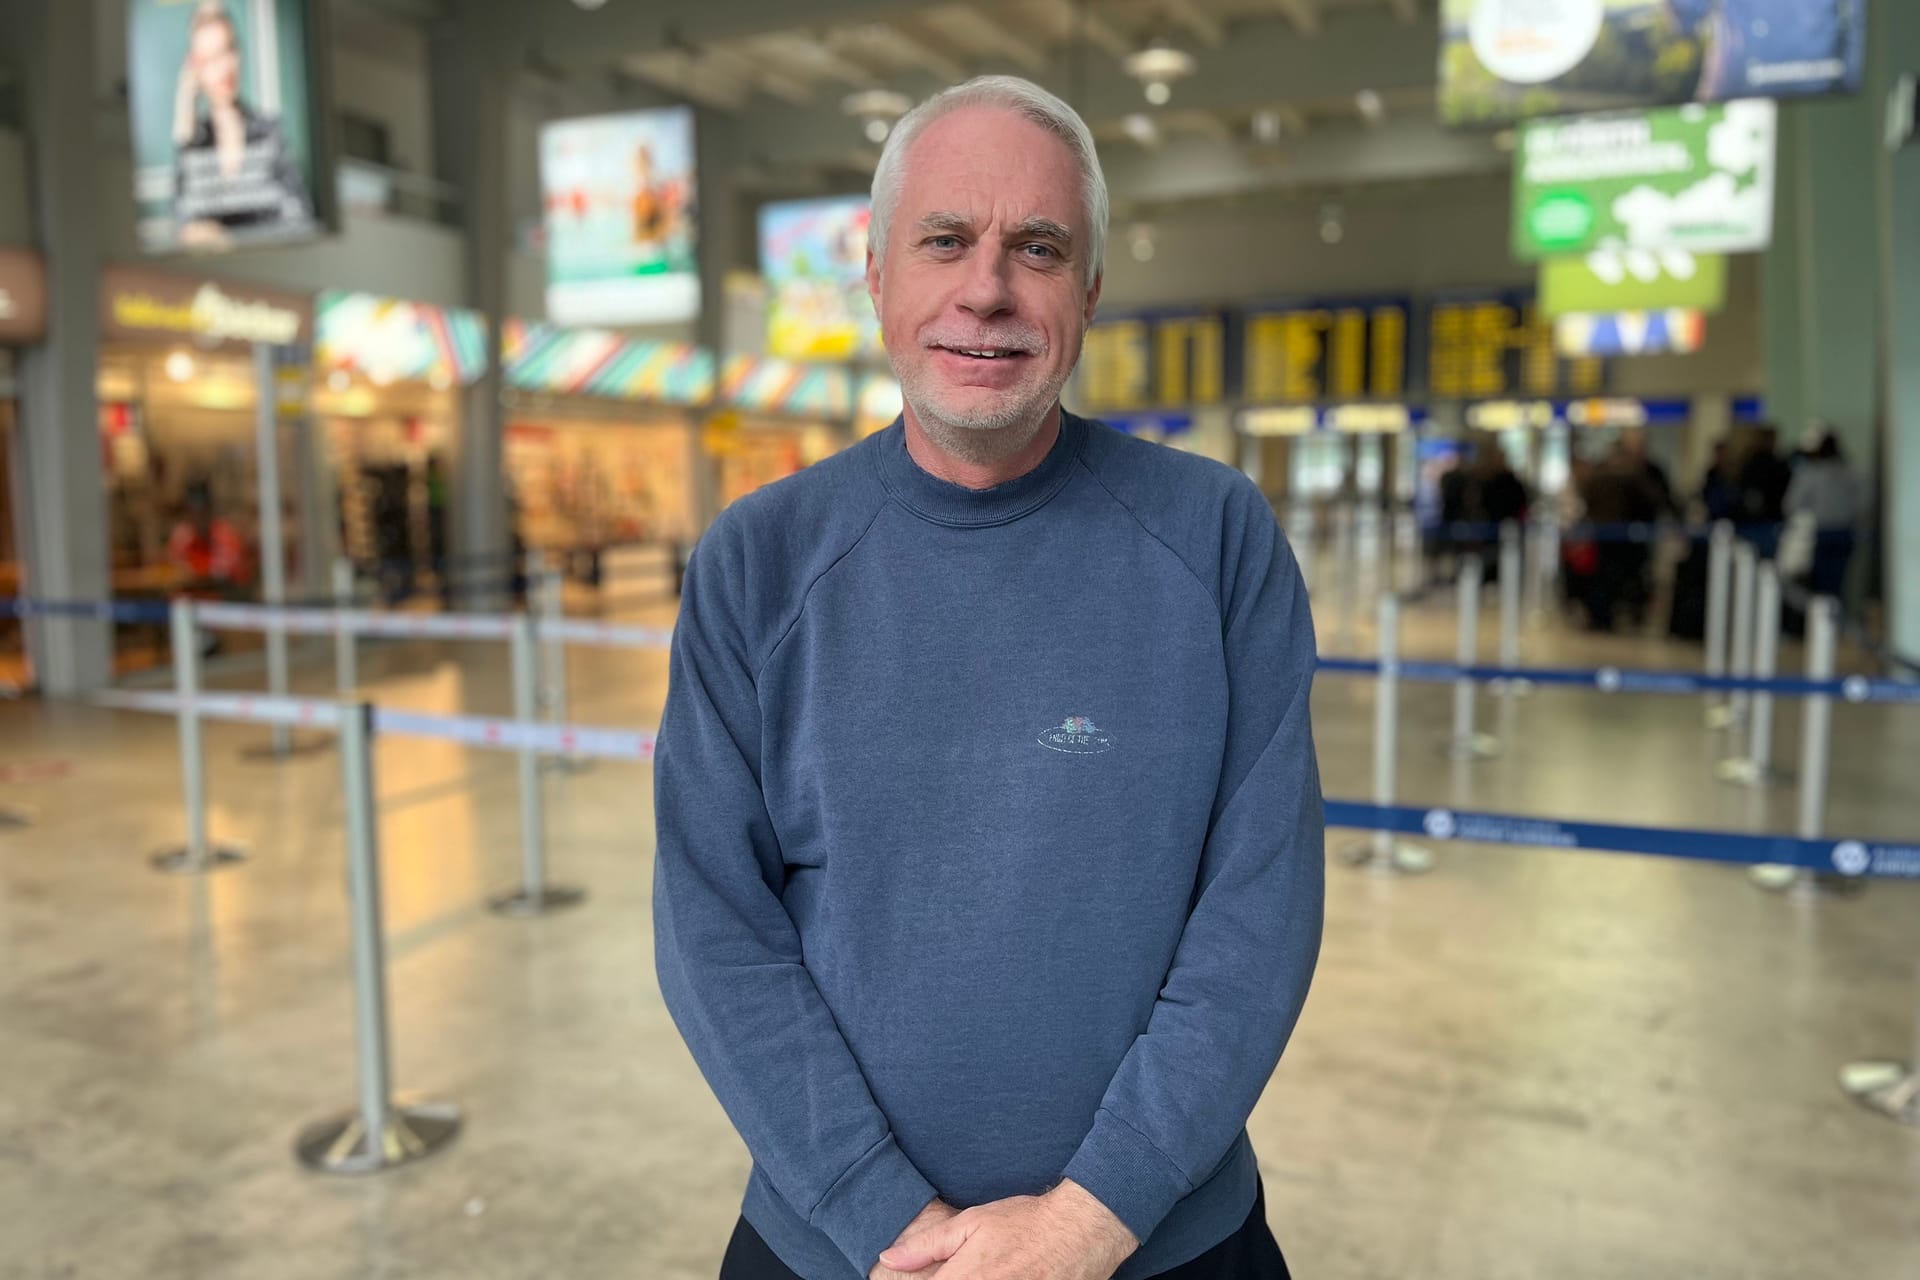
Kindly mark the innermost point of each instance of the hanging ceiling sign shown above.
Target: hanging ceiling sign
(1618, 279)
(1696, 178)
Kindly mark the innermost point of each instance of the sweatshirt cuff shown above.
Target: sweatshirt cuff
(872, 1203)
(1128, 1174)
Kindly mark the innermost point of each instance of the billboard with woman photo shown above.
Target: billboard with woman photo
(228, 121)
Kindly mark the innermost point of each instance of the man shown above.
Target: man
(990, 869)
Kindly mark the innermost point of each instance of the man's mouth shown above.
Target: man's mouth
(983, 353)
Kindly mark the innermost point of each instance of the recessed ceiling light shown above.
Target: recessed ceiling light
(878, 129)
(1141, 129)
(179, 366)
(1158, 92)
(1266, 126)
(1372, 108)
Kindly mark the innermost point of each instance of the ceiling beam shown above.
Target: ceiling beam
(565, 32)
(681, 75)
(1405, 10)
(964, 25)
(1303, 14)
(1071, 24)
(1204, 27)
(804, 54)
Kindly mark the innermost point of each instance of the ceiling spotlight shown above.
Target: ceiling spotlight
(1266, 126)
(1372, 108)
(590, 5)
(1333, 227)
(1156, 67)
(179, 366)
(877, 130)
(1140, 241)
(1141, 129)
(876, 109)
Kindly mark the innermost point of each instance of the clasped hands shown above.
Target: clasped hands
(1065, 1234)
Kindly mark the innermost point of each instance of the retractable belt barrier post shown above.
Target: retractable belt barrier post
(1719, 587)
(549, 599)
(534, 896)
(1746, 564)
(1466, 743)
(346, 657)
(1755, 769)
(1346, 547)
(381, 1132)
(1380, 852)
(1816, 741)
(198, 854)
(1406, 552)
(1510, 583)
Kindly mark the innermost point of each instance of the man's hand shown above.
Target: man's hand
(935, 1214)
(1065, 1234)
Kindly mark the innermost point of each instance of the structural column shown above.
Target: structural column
(64, 523)
(471, 80)
(1896, 49)
(724, 229)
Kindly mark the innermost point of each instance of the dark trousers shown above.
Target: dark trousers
(1250, 1253)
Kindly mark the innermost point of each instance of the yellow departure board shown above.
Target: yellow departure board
(1496, 348)
(1158, 363)
(1340, 352)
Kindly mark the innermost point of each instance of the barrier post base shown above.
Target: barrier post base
(1743, 771)
(1723, 717)
(1776, 877)
(1478, 746)
(12, 819)
(413, 1131)
(270, 752)
(181, 862)
(1890, 1088)
(1387, 857)
(537, 902)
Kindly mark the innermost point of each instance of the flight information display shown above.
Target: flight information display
(1154, 362)
(1500, 346)
(1326, 351)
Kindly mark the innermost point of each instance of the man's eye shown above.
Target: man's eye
(944, 243)
(1041, 251)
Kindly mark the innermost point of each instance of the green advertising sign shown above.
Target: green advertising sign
(1694, 178)
(1633, 280)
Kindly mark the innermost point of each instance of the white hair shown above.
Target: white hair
(1024, 99)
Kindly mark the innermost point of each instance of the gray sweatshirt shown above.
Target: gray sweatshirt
(990, 839)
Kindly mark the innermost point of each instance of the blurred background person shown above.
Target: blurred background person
(1620, 491)
(1761, 492)
(1825, 490)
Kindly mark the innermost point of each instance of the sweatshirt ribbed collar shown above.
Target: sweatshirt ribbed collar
(944, 502)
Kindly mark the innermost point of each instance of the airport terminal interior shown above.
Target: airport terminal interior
(371, 371)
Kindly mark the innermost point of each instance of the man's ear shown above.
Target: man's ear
(1093, 295)
(873, 279)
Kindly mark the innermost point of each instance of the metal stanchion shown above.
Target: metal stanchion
(382, 1132)
(1816, 743)
(1466, 743)
(534, 896)
(1746, 565)
(548, 587)
(1511, 571)
(1345, 550)
(346, 657)
(1381, 851)
(1755, 769)
(1406, 552)
(1300, 537)
(1719, 587)
(197, 854)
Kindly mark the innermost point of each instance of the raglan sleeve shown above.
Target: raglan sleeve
(1240, 973)
(728, 955)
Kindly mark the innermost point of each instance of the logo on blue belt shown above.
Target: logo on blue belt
(1077, 736)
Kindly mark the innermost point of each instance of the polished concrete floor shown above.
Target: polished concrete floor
(1526, 1064)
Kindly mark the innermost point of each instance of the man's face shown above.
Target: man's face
(216, 63)
(986, 253)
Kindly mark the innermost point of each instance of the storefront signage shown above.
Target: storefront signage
(1674, 331)
(1621, 279)
(1497, 346)
(1504, 59)
(1698, 178)
(787, 387)
(150, 304)
(813, 254)
(394, 340)
(1348, 419)
(1157, 361)
(23, 297)
(1308, 352)
(595, 362)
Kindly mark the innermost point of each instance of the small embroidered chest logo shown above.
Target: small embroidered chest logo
(1077, 736)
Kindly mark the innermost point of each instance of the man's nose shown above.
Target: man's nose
(986, 292)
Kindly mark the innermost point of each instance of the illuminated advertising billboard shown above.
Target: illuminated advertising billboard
(228, 111)
(1503, 60)
(813, 254)
(621, 204)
